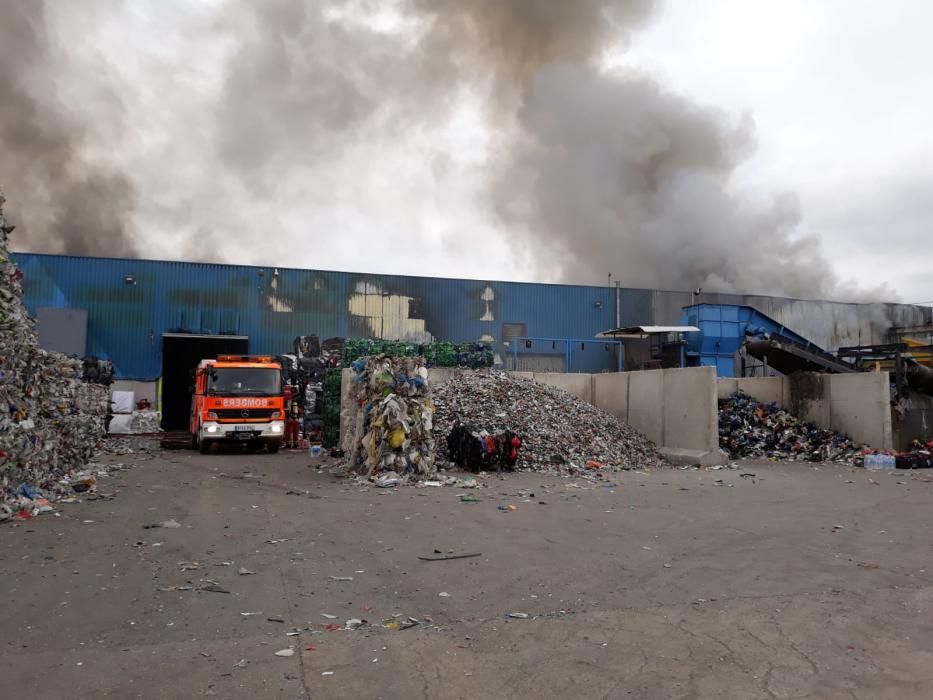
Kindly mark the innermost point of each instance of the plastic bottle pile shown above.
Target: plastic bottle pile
(436, 354)
(393, 428)
(748, 428)
(50, 421)
(559, 432)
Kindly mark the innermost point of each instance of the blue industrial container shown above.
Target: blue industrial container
(723, 329)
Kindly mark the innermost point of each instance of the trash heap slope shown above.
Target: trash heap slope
(559, 432)
(748, 428)
(50, 421)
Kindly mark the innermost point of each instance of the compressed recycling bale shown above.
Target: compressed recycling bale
(559, 432)
(50, 421)
(393, 429)
(435, 354)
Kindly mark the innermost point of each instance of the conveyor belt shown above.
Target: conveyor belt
(788, 357)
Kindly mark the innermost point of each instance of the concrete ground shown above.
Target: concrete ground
(797, 582)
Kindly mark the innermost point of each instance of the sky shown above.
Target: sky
(836, 93)
(838, 90)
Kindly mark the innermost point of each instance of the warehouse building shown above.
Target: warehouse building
(150, 318)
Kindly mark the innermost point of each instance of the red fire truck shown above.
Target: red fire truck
(238, 398)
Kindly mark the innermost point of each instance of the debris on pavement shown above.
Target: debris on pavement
(246, 572)
(448, 557)
(748, 428)
(559, 433)
(285, 652)
(518, 615)
(339, 578)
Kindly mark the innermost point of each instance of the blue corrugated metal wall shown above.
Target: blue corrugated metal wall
(131, 303)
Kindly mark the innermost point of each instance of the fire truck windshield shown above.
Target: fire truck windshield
(243, 381)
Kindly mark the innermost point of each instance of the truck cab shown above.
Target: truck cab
(238, 398)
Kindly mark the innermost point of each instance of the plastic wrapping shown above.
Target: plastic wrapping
(393, 429)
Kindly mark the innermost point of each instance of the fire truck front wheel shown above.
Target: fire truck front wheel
(273, 445)
(204, 446)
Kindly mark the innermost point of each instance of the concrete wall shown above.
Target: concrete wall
(912, 420)
(580, 385)
(675, 408)
(860, 405)
(856, 404)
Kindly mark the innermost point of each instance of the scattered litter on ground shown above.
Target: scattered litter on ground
(518, 615)
(168, 524)
(285, 652)
(328, 616)
(748, 428)
(339, 578)
(387, 480)
(275, 618)
(246, 572)
(447, 557)
(242, 663)
(444, 594)
(250, 614)
(213, 588)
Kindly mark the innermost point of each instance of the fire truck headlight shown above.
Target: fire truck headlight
(276, 427)
(211, 428)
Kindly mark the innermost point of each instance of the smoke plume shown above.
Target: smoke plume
(589, 170)
(61, 196)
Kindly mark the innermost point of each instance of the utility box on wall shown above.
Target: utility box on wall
(62, 330)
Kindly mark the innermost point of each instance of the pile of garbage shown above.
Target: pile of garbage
(557, 431)
(919, 455)
(391, 435)
(748, 428)
(50, 421)
(436, 354)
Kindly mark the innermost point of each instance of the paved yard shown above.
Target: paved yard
(797, 582)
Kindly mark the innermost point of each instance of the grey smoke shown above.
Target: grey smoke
(592, 171)
(60, 199)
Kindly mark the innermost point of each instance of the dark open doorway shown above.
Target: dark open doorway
(181, 353)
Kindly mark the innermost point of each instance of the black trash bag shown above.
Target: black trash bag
(308, 346)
